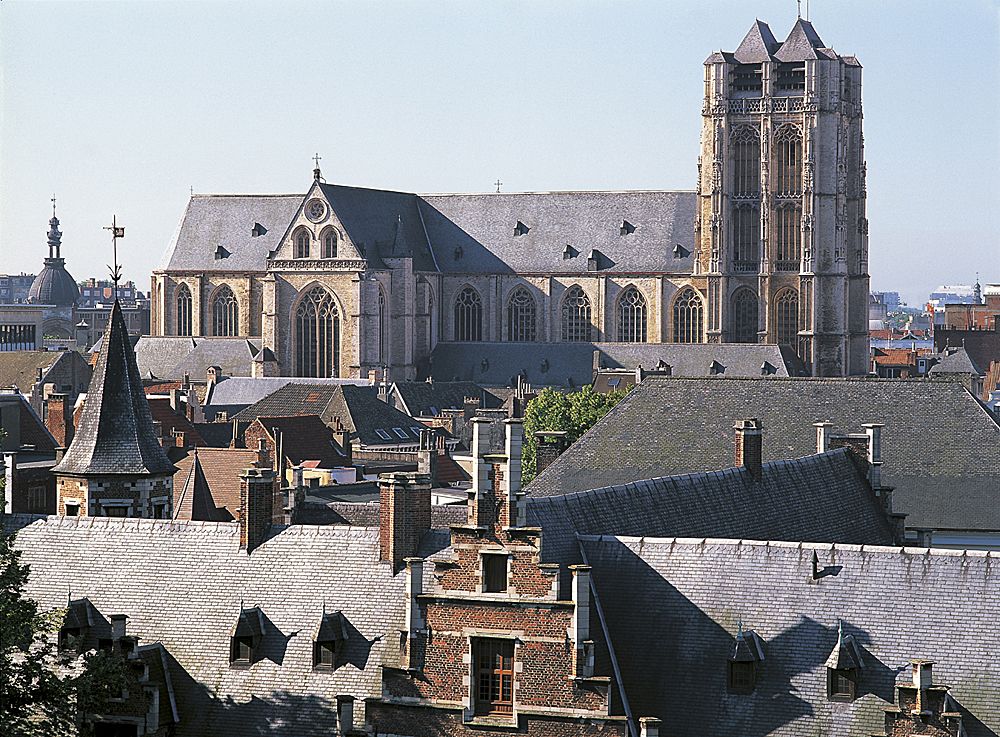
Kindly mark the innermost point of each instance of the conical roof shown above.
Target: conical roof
(115, 435)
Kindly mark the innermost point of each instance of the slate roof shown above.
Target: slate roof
(572, 364)
(32, 429)
(211, 221)
(483, 226)
(801, 44)
(115, 432)
(955, 361)
(983, 346)
(183, 583)
(221, 469)
(171, 357)
(304, 438)
(418, 397)
(819, 498)
(672, 607)
(20, 368)
(757, 46)
(938, 445)
(235, 393)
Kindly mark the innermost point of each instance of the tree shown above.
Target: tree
(575, 413)
(43, 690)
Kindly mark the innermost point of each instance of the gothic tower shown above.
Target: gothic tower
(782, 238)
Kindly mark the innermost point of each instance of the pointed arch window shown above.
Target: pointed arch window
(787, 152)
(317, 335)
(746, 236)
(787, 237)
(576, 324)
(786, 317)
(183, 310)
(746, 162)
(468, 316)
(689, 314)
(631, 316)
(521, 316)
(329, 240)
(225, 312)
(301, 243)
(383, 350)
(744, 316)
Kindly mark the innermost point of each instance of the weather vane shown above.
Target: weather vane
(116, 270)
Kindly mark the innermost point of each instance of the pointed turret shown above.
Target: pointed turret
(801, 43)
(115, 465)
(758, 45)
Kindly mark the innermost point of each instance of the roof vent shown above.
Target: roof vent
(258, 230)
(594, 260)
(665, 367)
(627, 228)
(681, 252)
(570, 252)
(459, 252)
(221, 252)
(716, 369)
(521, 229)
(766, 369)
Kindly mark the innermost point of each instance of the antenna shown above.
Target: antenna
(116, 270)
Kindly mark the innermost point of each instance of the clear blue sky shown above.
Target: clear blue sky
(119, 108)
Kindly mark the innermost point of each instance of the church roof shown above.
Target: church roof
(802, 43)
(758, 45)
(171, 357)
(54, 285)
(115, 434)
(229, 222)
(626, 232)
(938, 444)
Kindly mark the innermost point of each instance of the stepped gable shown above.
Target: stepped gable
(115, 434)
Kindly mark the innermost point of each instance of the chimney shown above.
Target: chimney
(579, 633)
(922, 680)
(345, 713)
(427, 456)
(175, 400)
(263, 454)
(639, 374)
(298, 477)
(59, 418)
(749, 446)
(118, 626)
(513, 514)
(874, 432)
(344, 438)
(822, 436)
(256, 506)
(649, 727)
(404, 515)
(549, 445)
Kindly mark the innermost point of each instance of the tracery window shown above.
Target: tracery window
(786, 317)
(302, 243)
(688, 317)
(183, 310)
(744, 316)
(631, 316)
(329, 240)
(225, 312)
(746, 162)
(787, 237)
(468, 316)
(746, 236)
(576, 325)
(787, 167)
(317, 335)
(521, 317)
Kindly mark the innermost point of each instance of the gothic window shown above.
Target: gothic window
(787, 237)
(787, 169)
(521, 317)
(329, 240)
(225, 312)
(494, 677)
(183, 310)
(383, 352)
(468, 316)
(302, 243)
(744, 316)
(786, 317)
(631, 316)
(576, 326)
(688, 317)
(746, 162)
(317, 335)
(746, 236)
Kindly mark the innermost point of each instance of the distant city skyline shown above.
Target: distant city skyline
(121, 108)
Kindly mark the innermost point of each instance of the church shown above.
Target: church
(771, 248)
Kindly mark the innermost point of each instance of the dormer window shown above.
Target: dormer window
(328, 641)
(521, 229)
(246, 637)
(843, 668)
(242, 650)
(627, 228)
(741, 677)
(70, 638)
(842, 684)
(741, 668)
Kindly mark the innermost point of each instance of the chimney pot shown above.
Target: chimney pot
(118, 625)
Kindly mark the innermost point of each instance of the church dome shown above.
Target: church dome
(54, 285)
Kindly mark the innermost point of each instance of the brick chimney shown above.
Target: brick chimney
(404, 515)
(256, 506)
(749, 446)
(427, 456)
(549, 445)
(59, 418)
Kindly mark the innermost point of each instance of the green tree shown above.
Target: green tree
(574, 412)
(43, 690)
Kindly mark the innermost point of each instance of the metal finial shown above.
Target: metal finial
(116, 270)
(498, 183)
(54, 206)
(317, 158)
(840, 631)
(800, 7)
(739, 628)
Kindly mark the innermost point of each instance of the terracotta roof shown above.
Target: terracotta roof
(304, 438)
(895, 356)
(170, 421)
(221, 468)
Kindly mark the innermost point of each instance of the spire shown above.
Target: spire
(116, 434)
(55, 237)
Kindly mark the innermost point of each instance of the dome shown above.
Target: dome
(54, 285)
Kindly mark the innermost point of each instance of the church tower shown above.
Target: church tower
(782, 238)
